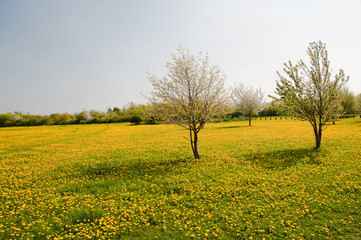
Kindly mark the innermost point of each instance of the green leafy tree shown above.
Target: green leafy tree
(274, 108)
(358, 103)
(349, 102)
(310, 90)
(6, 120)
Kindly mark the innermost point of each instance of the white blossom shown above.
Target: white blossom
(310, 92)
(248, 100)
(191, 93)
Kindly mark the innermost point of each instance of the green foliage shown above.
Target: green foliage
(234, 114)
(310, 91)
(136, 120)
(111, 116)
(358, 103)
(6, 120)
(152, 120)
(116, 110)
(78, 118)
(274, 109)
(349, 102)
(60, 119)
(268, 111)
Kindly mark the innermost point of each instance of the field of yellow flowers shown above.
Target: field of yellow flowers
(119, 181)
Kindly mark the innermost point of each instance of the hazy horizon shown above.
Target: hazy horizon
(70, 56)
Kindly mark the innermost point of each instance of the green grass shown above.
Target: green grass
(119, 181)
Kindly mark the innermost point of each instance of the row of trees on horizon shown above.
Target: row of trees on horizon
(137, 113)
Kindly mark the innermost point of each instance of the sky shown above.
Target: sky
(74, 55)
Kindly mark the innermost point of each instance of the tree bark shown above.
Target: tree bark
(318, 136)
(318, 141)
(249, 120)
(195, 145)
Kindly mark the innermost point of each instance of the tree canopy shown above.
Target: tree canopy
(248, 100)
(310, 91)
(191, 94)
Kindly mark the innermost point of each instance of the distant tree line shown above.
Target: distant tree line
(137, 113)
(132, 112)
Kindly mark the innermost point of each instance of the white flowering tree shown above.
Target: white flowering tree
(310, 91)
(248, 100)
(190, 95)
(86, 115)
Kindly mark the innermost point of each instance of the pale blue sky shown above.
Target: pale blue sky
(75, 55)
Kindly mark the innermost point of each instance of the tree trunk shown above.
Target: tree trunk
(318, 135)
(318, 141)
(194, 143)
(249, 120)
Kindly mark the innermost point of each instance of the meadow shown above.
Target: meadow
(119, 181)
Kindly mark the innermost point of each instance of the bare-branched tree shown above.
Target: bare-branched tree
(310, 91)
(190, 95)
(248, 100)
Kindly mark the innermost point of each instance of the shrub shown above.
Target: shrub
(6, 120)
(136, 120)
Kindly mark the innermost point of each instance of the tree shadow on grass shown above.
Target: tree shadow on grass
(114, 176)
(134, 169)
(286, 158)
(356, 122)
(230, 127)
